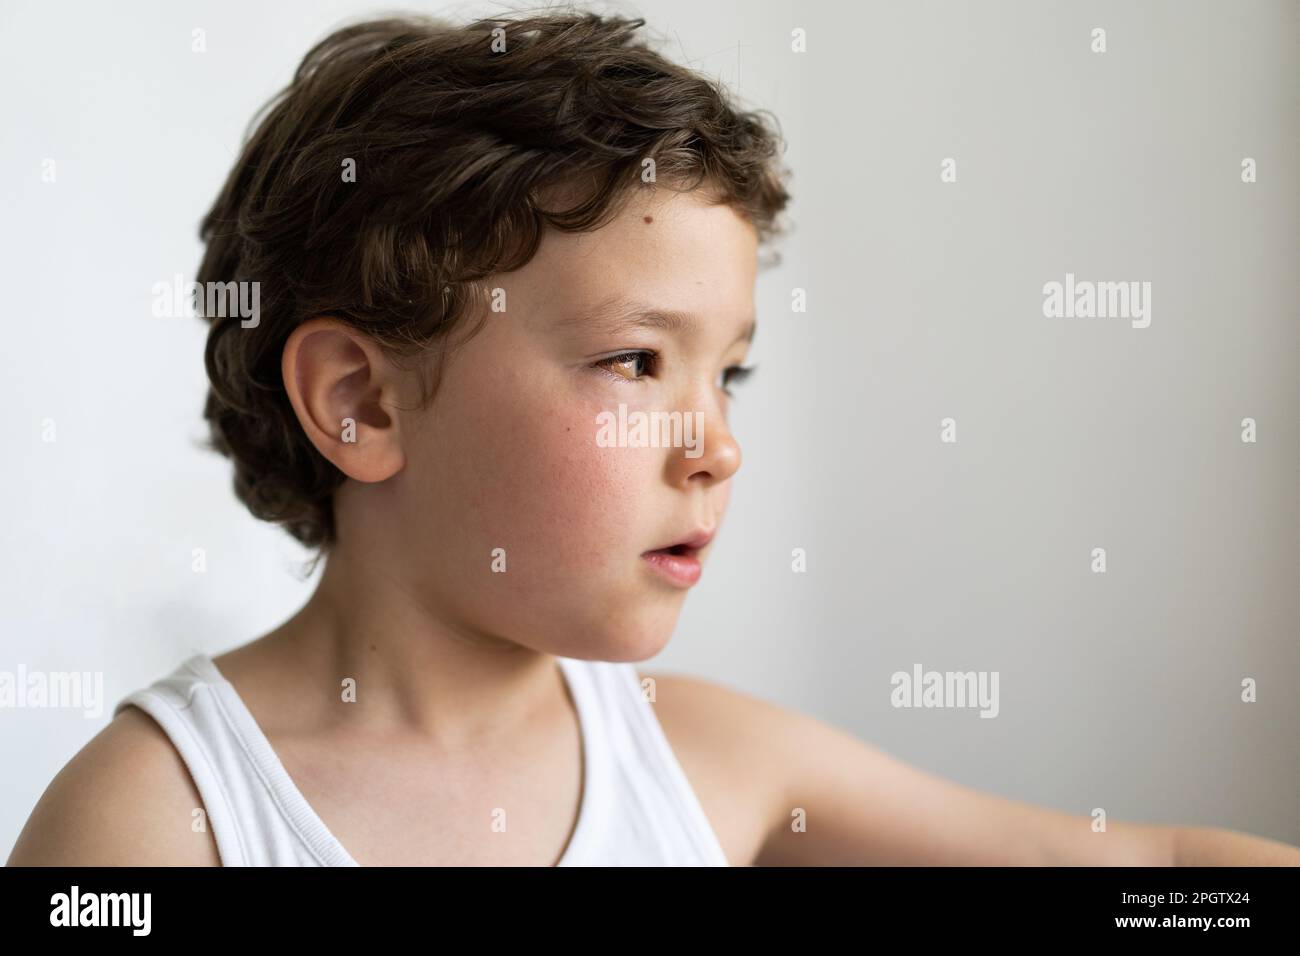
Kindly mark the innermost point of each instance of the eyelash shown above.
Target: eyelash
(731, 374)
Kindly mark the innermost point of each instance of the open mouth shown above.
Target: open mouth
(679, 564)
(679, 549)
(691, 544)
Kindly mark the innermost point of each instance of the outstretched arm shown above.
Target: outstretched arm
(863, 806)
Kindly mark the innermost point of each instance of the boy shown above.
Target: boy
(472, 245)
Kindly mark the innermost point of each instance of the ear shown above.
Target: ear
(341, 385)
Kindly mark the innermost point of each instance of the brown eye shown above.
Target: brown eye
(638, 362)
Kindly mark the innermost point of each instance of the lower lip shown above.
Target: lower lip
(682, 570)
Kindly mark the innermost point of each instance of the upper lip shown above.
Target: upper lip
(695, 541)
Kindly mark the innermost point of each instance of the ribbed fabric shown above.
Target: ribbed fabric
(637, 808)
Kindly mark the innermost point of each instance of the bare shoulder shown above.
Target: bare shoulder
(716, 712)
(731, 746)
(743, 735)
(125, 799)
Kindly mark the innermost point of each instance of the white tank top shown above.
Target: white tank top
(637, 807)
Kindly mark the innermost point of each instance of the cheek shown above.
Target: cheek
(564, 491)
(524, 473)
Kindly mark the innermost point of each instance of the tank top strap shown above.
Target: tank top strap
(643, 810)
(257, 815)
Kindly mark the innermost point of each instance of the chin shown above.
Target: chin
(620, 638)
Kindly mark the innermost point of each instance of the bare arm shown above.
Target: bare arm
(860, 805)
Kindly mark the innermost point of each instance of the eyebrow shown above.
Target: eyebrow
(617, 314)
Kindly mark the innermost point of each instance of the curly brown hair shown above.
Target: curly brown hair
(457, 133)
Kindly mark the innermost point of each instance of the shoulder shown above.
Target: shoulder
(734, 747)
(125, 799)
(737, 728)
(797, 767)
(696, 703)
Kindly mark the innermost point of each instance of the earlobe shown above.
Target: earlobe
(341, 386)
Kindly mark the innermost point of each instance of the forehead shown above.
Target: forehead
(672, 251)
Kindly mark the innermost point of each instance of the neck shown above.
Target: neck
(416, 671)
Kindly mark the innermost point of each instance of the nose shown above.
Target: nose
(715, 456)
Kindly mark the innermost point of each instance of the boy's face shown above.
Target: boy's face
(507, 455)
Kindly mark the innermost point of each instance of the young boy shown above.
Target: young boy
(475, 248)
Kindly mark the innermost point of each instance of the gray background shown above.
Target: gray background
(1119, 690)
